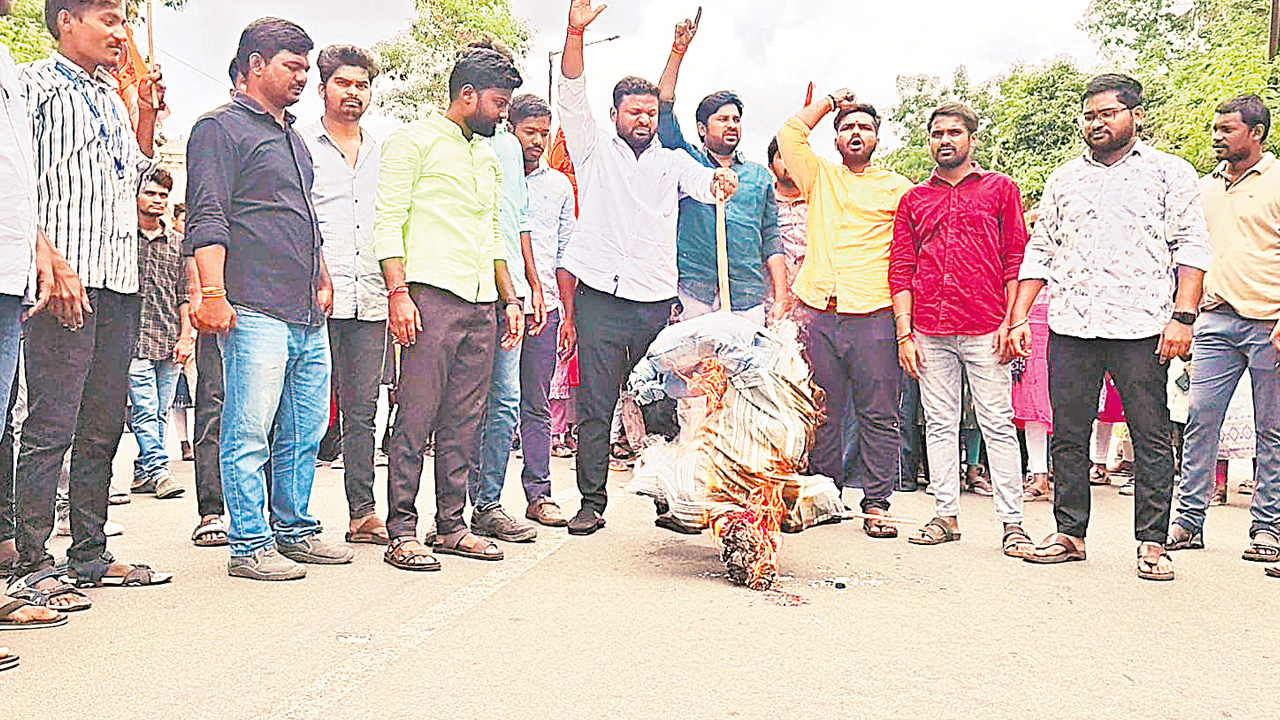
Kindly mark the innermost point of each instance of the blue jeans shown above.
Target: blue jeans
(152, 384)
(484, 482)
(1225, 346)
(274, 374)
(10, 346)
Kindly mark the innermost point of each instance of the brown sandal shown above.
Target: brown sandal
(1014, 539)
(877, 528)
(1045, 553)
(1149, 564)
(471, 546)
(370, 531)
(935, 532)
(406, 553)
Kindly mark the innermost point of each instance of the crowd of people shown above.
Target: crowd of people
(454, 262)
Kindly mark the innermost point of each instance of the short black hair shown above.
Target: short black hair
(268, 37)
(867, 108)
(632, 85)
(1253, 111)
(1128, 91)
(487, 41)
(179, 210)
(76, 7)
(954, 109)
(483, 69)
(773, 150)
(234, 71)
(159, 176)
(335, 56)
(713, 102)
(524, 107)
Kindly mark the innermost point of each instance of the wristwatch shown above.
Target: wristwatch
(1186, 318)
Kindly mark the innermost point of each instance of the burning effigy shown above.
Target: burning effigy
(748, 411)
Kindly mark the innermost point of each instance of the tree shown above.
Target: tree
(24, 32)
(919, 95)
(417, 61)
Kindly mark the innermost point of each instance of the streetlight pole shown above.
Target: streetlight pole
(1274, 45)
(551, 63)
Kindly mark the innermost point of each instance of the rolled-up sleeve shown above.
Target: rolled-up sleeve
(1189, 233)
(803, 164)
(211, 174)
(1037, 261)
(398, 169)
(580, 131)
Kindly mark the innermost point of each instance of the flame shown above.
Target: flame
(749, 539)
(709, 379)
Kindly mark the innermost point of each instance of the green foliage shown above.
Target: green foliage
(417, 62)
(24, 33)
(1027, 126)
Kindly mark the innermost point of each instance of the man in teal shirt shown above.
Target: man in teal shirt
(751, 217)
(443, 259)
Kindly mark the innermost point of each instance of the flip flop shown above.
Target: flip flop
(1070, 551)
(1014, 538)
(1147, 565)
(1272, 572)
(9, 608)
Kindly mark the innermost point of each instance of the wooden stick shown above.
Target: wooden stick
(851, 515)
(722, 256)
(151, 51)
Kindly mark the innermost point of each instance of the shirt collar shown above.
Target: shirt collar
(162, 235)
(975, 170)
(320, 132)
(737, 161)
(653, 146)
(243, 100)
(1260, 168)
(1139, 148)
(100, 76)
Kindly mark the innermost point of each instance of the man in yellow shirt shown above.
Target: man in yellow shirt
(843, 288)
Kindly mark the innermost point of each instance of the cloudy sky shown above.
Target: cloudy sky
(767, 50)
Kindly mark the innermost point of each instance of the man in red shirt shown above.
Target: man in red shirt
(958, 240)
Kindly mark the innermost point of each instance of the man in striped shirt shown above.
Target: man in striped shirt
(87, 162)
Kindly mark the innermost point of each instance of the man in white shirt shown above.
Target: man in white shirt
(346, 160)
(618, 274)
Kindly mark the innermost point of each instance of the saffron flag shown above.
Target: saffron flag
(129, 75)
(558, 158)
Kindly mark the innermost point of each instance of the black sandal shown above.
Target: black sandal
(1259, 551)
(24, 588)
(95, 575)
(398, 556)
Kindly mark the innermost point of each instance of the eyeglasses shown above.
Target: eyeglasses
(1106, 115)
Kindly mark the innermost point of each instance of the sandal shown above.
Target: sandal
(1181, 538)
(8, 622)
(1057, 548)
(1017, 543)
(103, 574)
(471, 546)
(935, 532)
(7, 661)
(1148, 564)
(371, 531)
(877, 528)
(25, 588)
(211, 532)
(1098, 476)
(1245, 488)
(1035, 494)
(1273, 572)
(406, 553)
(1263, 551)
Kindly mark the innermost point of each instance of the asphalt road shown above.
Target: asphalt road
(636, 622)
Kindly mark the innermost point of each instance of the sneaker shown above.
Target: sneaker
(545, 511)
(166, 486)
(496, 523)
(143, 485)
(266, 564)
(587, 521)
(313, 550)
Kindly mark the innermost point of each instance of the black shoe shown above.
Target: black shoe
(585, 522)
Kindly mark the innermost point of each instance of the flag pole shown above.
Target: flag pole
(151, 50)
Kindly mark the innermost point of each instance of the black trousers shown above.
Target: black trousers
(77, 387)
(358, 351)
(1076, 369)
(444, 382)
(613, 334)
(855, 361)
(208, 426)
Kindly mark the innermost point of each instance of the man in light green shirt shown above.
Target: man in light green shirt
(443, 259)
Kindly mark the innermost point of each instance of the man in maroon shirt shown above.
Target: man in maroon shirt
(958, 242)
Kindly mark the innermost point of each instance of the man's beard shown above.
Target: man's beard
(481, 126)
(1117, 142)
(951, 163)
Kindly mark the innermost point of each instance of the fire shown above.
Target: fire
(710, 380)
(749, 539)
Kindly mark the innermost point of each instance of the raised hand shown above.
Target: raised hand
(581, 14)
(843, 98)
(685, 32)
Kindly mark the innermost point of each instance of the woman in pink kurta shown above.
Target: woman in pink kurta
(1031, 409)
